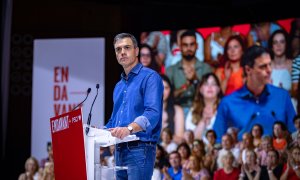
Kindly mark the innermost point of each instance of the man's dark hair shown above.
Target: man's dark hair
(251, 54)
(174, 152)
(126, 35)
(188, 33)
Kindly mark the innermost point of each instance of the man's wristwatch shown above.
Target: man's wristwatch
(130, 128)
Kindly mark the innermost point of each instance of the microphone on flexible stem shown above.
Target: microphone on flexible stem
(87, 129)
(274, 115)
(253, 116)
(87, 94)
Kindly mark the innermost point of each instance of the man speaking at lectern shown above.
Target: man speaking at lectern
(137, 110)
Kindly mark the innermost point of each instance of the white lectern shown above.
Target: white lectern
(95, 139)
(77, 155)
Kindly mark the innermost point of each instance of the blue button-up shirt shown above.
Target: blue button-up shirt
(242, 109)
(175, 176)
(138, 98)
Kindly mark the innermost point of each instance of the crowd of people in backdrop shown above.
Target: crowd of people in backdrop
(227, 111)
(43, 170)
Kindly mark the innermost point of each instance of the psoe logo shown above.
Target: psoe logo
(60, 124)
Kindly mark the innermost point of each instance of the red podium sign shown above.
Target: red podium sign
(68, 146)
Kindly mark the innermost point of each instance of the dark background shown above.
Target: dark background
(33, 19)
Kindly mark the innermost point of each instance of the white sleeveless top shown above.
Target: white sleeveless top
(282, 76)
(189, 125)
(215, 48)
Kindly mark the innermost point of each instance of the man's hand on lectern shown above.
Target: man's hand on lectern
(120, 132)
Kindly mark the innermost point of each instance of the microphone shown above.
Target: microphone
(87, 129)
(276, 118)
(253, 116)
(274, 115)
(87, 94)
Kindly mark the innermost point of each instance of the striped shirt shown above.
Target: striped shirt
(296, 69)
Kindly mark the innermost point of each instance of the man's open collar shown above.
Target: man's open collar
(246, 93)
(135, 70)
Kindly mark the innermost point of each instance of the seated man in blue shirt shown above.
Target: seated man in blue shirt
(257, 102)
(175, 171)
(137, 110)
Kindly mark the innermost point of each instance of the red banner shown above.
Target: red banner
(68, 146)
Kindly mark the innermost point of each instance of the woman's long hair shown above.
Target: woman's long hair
(287, 52)
(170, 103)
(240, 39)
(153, 64)
(198, 103)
